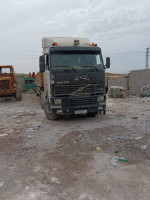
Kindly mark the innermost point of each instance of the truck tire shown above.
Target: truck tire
(48, 112)
(91, 114)
(18, 95)
(41, 96)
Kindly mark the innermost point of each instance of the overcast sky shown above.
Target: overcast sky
(120, 27)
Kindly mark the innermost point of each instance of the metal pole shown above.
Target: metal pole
(147, 58)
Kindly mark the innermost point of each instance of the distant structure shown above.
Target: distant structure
(147, 59)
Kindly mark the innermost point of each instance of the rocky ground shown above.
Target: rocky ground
(75, 158)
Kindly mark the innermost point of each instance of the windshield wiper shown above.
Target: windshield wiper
(92, 67)
(67, 66)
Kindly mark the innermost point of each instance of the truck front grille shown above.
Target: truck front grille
(4, 84)
(79, 102)
(74, 90)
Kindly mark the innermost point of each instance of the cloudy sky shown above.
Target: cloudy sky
(120, 27)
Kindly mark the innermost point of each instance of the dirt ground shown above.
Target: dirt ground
(59, 160)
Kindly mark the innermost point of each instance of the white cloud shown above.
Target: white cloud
(21, 2)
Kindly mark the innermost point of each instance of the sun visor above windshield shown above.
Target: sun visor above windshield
(75, 49)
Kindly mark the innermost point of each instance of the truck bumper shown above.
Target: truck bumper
(7, 92)
(72, 105)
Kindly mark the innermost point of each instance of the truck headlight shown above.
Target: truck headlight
(57, 101)
(100, 98)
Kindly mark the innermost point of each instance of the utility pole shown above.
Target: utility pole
(147, 58)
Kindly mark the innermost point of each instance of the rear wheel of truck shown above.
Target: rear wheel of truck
(48, 112)
(41, 96)
(18, 95)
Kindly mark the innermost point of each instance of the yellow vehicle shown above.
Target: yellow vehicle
(8, 84)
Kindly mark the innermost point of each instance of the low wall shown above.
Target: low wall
(138, 79)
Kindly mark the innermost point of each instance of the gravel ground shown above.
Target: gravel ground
(59, 160)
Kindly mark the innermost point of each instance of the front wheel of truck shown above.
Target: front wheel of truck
(18, 94)
(91, 114)
(48, 112)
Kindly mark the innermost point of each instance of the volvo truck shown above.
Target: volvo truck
(71, 77)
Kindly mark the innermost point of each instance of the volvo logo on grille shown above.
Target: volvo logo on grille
(62, 82)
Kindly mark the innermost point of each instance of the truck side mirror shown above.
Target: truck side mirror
(107, 62)
(42, 64)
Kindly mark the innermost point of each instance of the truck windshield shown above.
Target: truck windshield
(5, 70)
(76, 60)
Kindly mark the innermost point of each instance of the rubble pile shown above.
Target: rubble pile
(30, 91)
(117, 92)
(145, 91)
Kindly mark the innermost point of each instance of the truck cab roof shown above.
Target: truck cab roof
(48, 42)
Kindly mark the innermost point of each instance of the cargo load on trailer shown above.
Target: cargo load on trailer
(71, 78)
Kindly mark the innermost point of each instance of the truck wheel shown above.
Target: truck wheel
(48, 112)
(18, 93)
(41, 96)
(91, 114)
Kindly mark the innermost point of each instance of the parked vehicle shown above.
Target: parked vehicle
(8, 84)
(29, 84)
(72, 77)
